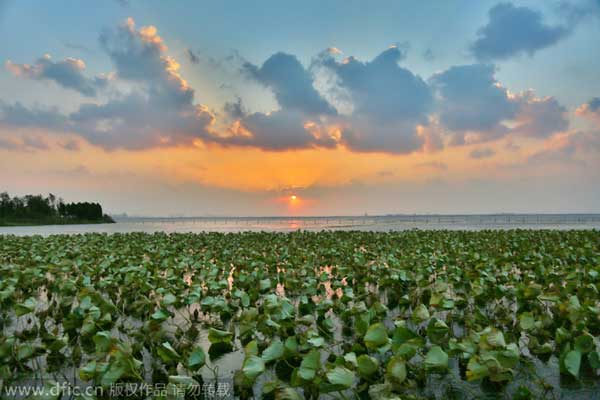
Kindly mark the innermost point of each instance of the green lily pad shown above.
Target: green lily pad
(28, 306)
(572, 362)
(274, 352)
(376, 336)
(341, 376)
(167, 353)
(367, 365)
(436, 359)
(396, 370)
(219, 336)
(253, 366)
(196, 359)
(310, 365)
(526, 321)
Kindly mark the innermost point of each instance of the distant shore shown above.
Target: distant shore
(38, 210)
(55, 221)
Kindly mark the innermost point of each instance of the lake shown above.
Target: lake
(288, 224)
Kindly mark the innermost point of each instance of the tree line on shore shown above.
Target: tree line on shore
(38, 207)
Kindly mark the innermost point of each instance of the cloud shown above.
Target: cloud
(471, 100)
(298, 123)
(567, 146)
(26, 143)
(77, 46)
(515, 30)
(436, 165)
(193, 57)
(484, 152)
(6, 144)
(476, 108)
(278, 131)
(139, 55)
(539, 117)
(70, 145)
(18, 116)
(387, 108)
(381, 89)
(594, 104)
(137, 122)
(67, 73)
(291, 84)
(428, 55)
(388, 102)
(576, 11)
(590, 110)
(385, 173)
(159, 111)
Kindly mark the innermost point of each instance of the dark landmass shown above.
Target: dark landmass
(39, 210)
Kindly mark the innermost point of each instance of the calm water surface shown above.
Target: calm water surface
(287, 224)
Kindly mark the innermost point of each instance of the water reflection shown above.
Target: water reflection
(286, 224)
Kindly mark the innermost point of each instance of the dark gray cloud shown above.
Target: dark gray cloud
(67, 73)
(594, 104)
(385, 173)
(388, 105)
(470, 99)
(297, 124)
(71, 145)
(26, 143)
(539, 117)
(428, 55)
(19, 116)
(590, 110)
(139, 56)
(77, 46)
(515, 30)
(388, 101)
(381, 88)
(35, 142)
(365, 136)
(192, 56)
(280, 130)
(159, 112)
(484, 152)
(291, 84)
(6, 144)
(137, 122)
(235, 109)
(434, 165)
(574, 12)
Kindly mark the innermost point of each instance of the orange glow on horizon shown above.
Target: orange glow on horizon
(285, 175)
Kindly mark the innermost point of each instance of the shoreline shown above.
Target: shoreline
(9, 224)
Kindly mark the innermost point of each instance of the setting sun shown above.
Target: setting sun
(293, 197)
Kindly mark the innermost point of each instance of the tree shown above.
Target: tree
(32, 207)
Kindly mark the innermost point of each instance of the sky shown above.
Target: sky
(347, 107)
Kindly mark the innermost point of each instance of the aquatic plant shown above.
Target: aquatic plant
(306, 315)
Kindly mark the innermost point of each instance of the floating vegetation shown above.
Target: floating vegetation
(414, 314)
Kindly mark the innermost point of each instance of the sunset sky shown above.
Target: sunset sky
(204, 108)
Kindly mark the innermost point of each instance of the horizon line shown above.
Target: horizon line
(491, 214)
